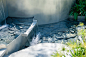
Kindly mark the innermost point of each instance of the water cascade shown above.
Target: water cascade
(35, 39)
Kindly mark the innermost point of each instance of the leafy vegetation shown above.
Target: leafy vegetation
(79, 9)
(57, 55)
(78, 49)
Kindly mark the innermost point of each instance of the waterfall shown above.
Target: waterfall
(35, 39)
(5, 25)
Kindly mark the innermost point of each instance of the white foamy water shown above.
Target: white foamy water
(3, 26)
(35, 39)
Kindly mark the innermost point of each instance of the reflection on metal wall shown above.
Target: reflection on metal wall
(3, 10)
(45, 11)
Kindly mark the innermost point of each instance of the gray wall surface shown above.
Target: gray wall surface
(3, 10)
(45, 11)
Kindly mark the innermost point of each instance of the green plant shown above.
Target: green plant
(78, 49)
(72, 44)
(79, 52)
(63, 49)
(57, 54)
(78, 9)
(82, 31)
(75, 16)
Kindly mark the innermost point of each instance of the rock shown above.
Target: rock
(11, 32)
(50, 40)
(1, 39)
(58, 36)
(44, 41)
(72, 30)
(55, 39)
(20, 27)
(70, 35)
(40, 41)
(2, 46)
(45, 38)
(10, 29)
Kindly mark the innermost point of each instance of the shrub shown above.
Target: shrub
(78, 49)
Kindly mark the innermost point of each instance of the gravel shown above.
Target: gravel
(58, 32)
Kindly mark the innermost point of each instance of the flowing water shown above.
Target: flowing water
(11, 31)
(35, 39)
(2, 14)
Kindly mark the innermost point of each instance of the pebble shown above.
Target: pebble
(1, 39)
(40, 41)
(11, 32)
(49, 40)
(57, 32)
(70, 35)
(20, 27)
(45, 39)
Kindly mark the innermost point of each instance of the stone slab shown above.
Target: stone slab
(40, 50)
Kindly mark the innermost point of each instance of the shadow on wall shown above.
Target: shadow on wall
(45, 11)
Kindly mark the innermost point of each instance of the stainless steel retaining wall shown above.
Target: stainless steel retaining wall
(45, 11)
(3, 10)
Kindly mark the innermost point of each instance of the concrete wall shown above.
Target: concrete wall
(45, 11)
(3, 10)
